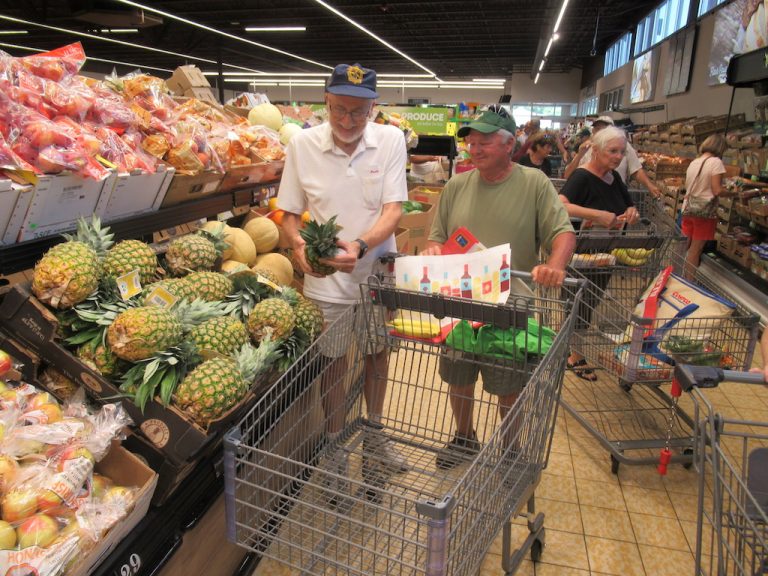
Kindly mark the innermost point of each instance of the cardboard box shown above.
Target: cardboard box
(125, 469)
(725, 244)
(402, 236)
(59, 200)
(418, 226)
(14, 202)
(430, 194)
(169, 429)
(184, 188)
(243, 112)
(185, 77)
(244, 176)
(741, 255)
(202, 94)
(135, 193)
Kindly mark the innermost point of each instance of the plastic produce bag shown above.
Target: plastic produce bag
(509, 343)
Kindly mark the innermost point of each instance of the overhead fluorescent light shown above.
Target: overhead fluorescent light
(275, 28)
(541, 66)
(549, 45)
(536, 81)
(491, 80)
(10, 32)
(121, 42)
(303, 74)
(120, 62)
(556, 36)
(374, 36)
(560, 16)
(404, 75)
(119, 30)
(220, 32)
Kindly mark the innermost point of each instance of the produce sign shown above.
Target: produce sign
(424, 120)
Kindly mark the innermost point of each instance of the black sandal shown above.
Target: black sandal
(584, 373)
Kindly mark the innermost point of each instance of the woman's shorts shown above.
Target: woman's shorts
(697, 228)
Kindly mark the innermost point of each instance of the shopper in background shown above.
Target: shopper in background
(427, 169)
(597, 195)
(355, 170)
(538, 153)
(703, 185)
(531, 128)
(631, 166)
(500, 202)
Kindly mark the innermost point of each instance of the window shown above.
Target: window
(618, 54)
(611, 100)
(589, 106)
(707, 6)
(669, 17)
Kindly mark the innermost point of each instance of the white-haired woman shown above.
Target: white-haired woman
(597, 195)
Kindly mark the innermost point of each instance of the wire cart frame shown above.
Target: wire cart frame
(731, 459)
(288, 499)
(615, 342)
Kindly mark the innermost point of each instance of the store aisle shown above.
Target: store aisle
(597, 523)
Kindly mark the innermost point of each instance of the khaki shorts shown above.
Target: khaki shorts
(348, 330)
(459, 368)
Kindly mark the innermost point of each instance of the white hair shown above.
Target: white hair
(505, 135)
(604, 136)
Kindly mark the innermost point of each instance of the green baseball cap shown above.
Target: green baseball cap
(488, 122)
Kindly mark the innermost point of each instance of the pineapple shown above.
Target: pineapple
(321, 243)
(223, 334)
(197, 251)
(179, 287)
(246, 293)
(266, 273)
(69, 272)
(218, 384)
(309, 317)
(138, 333)
(98, 357)
(210, 286)
(291, 348)
(58, 384)
(129, 255)
(272, 316)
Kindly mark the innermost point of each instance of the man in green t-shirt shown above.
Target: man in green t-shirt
(499, 202)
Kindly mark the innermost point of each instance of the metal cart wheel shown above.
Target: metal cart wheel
(614, 464)
(688, 452)
(626, 386)
(537, 548)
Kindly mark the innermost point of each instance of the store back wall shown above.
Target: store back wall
(701, 99)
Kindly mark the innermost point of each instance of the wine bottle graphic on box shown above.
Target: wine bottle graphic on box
(425, 285)
(504, 274)
(465, 283)
(445, 288)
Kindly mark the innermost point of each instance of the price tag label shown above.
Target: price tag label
(129, 284)
(223, 216)
(161, 297)
(131, 567)
(450, 128)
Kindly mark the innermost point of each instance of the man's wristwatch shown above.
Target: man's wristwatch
(363, 248)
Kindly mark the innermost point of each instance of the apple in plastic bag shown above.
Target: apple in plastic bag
(5, 363)
(38, 530)
(19, 504)
(7, 536)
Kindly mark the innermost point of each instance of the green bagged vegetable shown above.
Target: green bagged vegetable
(500, 343)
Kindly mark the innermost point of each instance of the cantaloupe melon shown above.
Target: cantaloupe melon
(264, 234)
(243, 249)
(266, 115)
(288, 131)
(278, 264)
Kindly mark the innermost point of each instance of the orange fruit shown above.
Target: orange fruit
(276, 216)
(305, 217)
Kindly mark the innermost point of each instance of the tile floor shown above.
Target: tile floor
(634, 523)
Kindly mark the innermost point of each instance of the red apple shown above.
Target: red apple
(46, 413)
(38, 530)
(99, 485)
(48, 500)
(72, 452)
(18, 504)
(7, 536)
(39, 399)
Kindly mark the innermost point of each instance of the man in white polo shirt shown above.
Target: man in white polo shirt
(630, 164)
(353, 169)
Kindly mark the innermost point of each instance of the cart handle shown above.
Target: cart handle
(689, 376)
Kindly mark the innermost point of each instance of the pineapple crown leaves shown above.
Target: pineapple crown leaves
(247, 292)
(159, 375)
(88, 321)
(290, 295)
(321, 238)
(292, 348)
(193, 312)
(92, 234)
(252, 361)
(216, 237)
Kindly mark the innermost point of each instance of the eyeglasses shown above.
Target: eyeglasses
(339, 112)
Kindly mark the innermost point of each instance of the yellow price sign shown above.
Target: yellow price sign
(129, 284)
(161, 297)
(269, 283)
(450, 128)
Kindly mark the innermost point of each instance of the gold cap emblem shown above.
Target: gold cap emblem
(355, 75)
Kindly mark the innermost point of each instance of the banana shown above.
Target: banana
(417, 328)
(632, 256)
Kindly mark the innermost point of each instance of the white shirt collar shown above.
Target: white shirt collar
(369, 139)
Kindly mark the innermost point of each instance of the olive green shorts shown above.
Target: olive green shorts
(461, 369)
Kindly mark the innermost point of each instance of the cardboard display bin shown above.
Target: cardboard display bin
(135, 194)
(14, 202)
(184, 188)
(418, 226)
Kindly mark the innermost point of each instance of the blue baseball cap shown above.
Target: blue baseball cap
(353, 80)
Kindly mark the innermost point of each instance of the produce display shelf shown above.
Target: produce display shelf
(23, 255)
(160, 534)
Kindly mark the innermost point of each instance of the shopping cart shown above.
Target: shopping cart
(732, 462)
(329, 507)
(615, 342)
